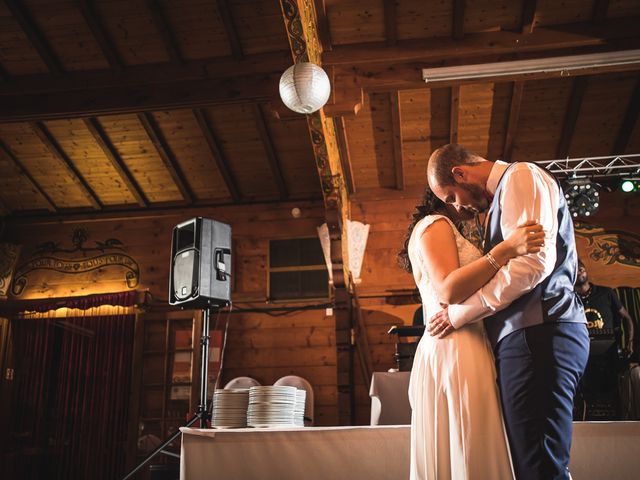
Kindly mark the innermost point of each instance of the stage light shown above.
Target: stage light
(583, 198)
(628, 186)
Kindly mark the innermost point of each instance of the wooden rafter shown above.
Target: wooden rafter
(121, 100)
(345, 156)
(8, 154)
(458, 19)
(571, 116)
(37, 39)
(97, 30)
(390, 22)
(102, 139)
(229, 26)
(454, 113)
(398, 156)
(217, 154)
(164, 29)
(272, 156)
(514, 116)
(166, 155)
(323, 25)
(50, 142)
(528, 15)
(542, 40)
(628, 123)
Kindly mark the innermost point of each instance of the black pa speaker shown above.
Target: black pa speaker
(200, 271)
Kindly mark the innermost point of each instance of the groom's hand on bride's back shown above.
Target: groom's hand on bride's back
(439, 325)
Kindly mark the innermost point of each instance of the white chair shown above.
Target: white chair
(241, 382)
(302, 384)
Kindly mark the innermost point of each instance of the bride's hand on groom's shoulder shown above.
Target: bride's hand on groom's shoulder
(439, 325)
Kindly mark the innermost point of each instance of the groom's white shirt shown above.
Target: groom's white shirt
(527, 194)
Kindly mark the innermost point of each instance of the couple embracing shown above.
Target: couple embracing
(506, 343)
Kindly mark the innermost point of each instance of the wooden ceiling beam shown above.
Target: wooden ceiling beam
(345, 155)
(230, 28)
(542, 40)
(571, 116)
(528, 17)
(166, 155)
(97, 30)
(35, 36)
(103, 141)
(11, 158)
(45, 136)
(121, 100)
(272, 156)
(458, 19)
(628, 123)
(512, 123)
(148, 76)
(217, 154)
(390, 22)
(163, 27)
(324, 33)
(398, 155)
(454, 112)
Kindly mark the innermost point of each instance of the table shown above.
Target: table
(310, 453)
(389, 394)
(600, 450)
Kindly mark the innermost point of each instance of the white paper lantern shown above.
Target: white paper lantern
(304, 87)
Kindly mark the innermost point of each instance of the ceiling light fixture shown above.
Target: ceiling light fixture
(535, 68)
(583, 198)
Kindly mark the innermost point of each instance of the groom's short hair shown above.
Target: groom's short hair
(443, 160)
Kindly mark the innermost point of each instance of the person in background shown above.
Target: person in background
(603, 308)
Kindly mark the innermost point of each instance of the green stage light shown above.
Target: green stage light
(628, 186)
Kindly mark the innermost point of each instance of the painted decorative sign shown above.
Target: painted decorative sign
(51, 256)
(610, 246)
(8, 258)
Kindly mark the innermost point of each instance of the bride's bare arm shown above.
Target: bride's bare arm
(454, 283)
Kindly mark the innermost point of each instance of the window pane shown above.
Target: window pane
(284, 253)
(296, 285)
(311, 252)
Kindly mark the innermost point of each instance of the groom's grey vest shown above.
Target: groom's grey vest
(552, 300)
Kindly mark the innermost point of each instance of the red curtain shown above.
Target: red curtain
(72, 392)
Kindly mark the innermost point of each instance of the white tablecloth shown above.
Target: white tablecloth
(311, 453)
(390, 398)
(600, 450)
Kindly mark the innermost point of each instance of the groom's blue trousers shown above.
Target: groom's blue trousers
(538, 372)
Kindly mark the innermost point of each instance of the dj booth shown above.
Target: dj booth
(600, 450)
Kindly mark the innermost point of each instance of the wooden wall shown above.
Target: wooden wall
(264, 346)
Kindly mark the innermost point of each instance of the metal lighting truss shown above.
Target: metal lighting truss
(591, 167)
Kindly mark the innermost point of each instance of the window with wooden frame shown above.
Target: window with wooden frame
(297, 270)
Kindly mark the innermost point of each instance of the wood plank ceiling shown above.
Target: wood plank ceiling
(118, 104)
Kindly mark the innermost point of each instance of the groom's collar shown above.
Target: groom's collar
(497, 171)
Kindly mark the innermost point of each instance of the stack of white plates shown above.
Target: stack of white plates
(230, 408)
(298, 411)
(271, 406)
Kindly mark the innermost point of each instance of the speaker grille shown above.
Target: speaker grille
(185, 274)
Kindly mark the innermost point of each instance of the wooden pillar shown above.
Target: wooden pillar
(301, 24)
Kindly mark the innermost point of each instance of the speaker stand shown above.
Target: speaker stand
(202, 413)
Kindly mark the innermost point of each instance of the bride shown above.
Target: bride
(457, 430)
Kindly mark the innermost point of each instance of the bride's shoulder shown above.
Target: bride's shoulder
(425, 222)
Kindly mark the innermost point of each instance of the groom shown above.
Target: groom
(532, 315)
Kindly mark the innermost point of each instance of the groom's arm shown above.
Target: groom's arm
(528, 194)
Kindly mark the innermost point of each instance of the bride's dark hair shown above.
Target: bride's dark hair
(429, 205)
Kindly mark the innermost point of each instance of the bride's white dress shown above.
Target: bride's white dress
(457, 431)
